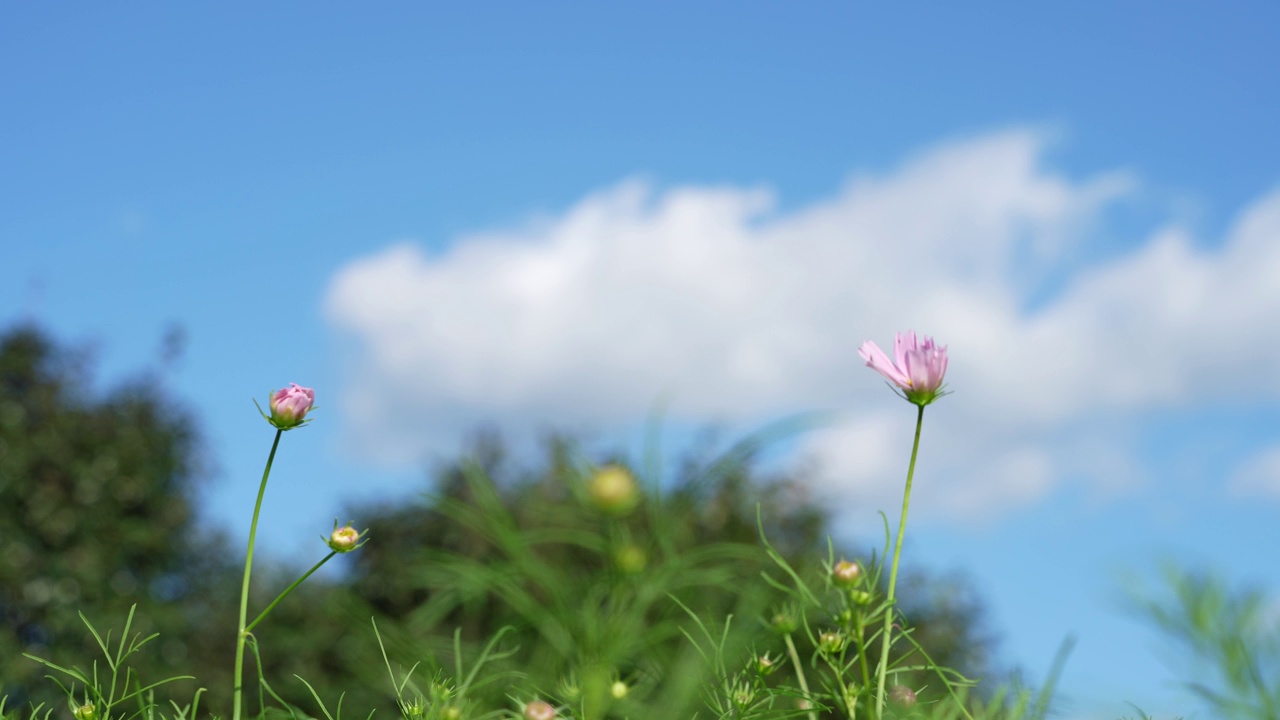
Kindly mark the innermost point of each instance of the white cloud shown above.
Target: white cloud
(738, 312)
(1259, 476)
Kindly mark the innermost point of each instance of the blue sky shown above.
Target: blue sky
(559, 213)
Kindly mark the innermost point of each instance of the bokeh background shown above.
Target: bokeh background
(590, 218)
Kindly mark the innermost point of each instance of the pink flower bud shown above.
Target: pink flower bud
(902, 695)
(917, 369)
(290, 405)
(846, 573)
(539, 710)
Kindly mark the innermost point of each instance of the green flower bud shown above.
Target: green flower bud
(85, 712)
(569, 688)
(830, 642)
(784, 623)
(344, 538)
(742, 694)
(613, 491)
(630, 559)
(414, 709)
(850, 697)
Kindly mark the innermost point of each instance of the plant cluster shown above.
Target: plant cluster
(593, 592)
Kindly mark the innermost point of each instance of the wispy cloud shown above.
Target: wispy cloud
(740, 313)
(1259, 476)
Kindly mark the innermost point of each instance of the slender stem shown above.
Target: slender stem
(804, 685)
(861, 625)
(883, 670)
(243, 632)
(281, 596)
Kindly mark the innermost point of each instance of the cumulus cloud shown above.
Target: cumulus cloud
(711, 297)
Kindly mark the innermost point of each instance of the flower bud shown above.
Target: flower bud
(630, 559)
(902, 696)
(831, 642)
(765, 665)
(783, 622)
(290, 406)
(539, 710)
(846, 574)
(85, 712)
(618, 690)
(414, 709)
(344, 539)
(850, 696)
(569, 688)
(613, 490)
(860, 597)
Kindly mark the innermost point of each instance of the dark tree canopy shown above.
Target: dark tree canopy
(96, 497)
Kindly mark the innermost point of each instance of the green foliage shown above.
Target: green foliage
(594, 598)
(117, 692)
(588, 594)
(511, 582)
(445, 698)
(1230, 636)
(96, 501)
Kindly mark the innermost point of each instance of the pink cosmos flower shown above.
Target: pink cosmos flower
(290, 405)
(917, 369)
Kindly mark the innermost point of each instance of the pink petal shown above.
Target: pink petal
(878, 361)
(904, 344)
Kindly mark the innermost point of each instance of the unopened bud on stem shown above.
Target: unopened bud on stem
(289, 407)
(613, 490)
(344, 539)
(902, 695)
(846, 573)
(539, 710)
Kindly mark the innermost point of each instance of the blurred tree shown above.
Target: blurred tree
(96, 501)
(591, 593)
(97, 494)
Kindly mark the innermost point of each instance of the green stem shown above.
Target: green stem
(860, 624)
(288, 590)
(243, 632)
(804, 685)
(882, 670)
